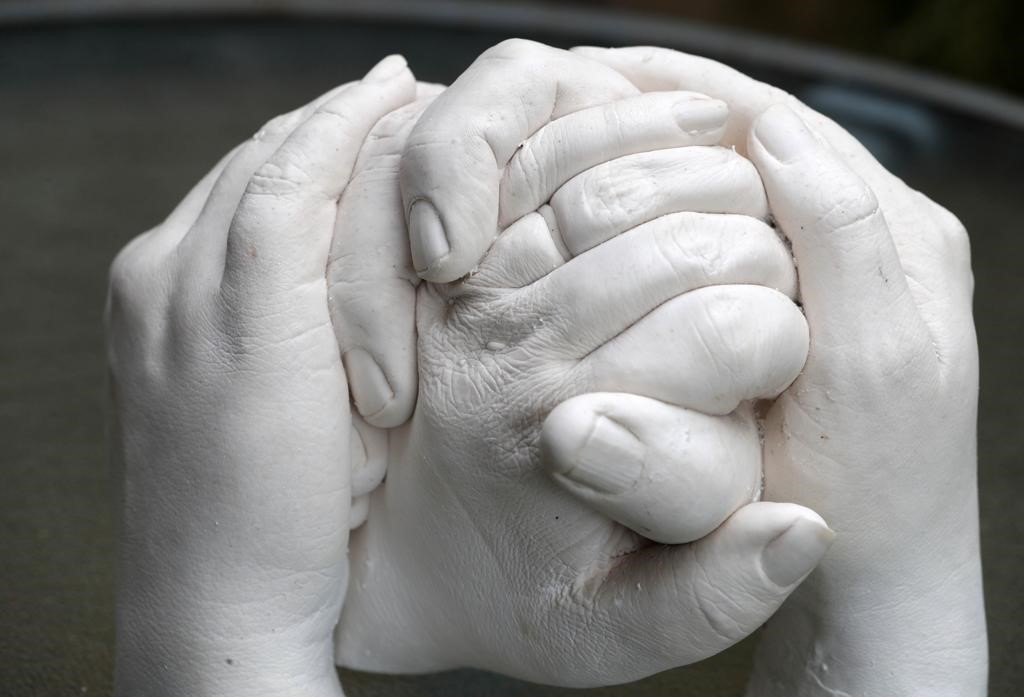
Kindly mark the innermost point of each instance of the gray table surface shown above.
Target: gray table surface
(103, 127)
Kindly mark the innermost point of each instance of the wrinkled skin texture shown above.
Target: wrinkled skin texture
(468, 550)
(482, 158)
(229, 354)
(233, 422)
(240, 453)
(469, 556)
(878, 434)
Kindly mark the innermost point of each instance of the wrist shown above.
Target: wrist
(902, 628)
(177, 662)
(170, 644)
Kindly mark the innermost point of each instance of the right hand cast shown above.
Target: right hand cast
(469, 557)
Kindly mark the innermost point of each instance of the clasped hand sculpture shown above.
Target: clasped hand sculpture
(574, 410)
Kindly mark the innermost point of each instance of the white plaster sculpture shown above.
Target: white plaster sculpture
(470, 556)
(241, 456)
(233, 413)
(879, 432)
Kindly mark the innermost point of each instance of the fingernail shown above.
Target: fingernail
(386, 69)
(610, 460)
(782, 133)
(427, 237)
(793, 554)
(370, 389)
(700, 114)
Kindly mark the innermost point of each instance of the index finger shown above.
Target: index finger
(452, 165)
(651, 68)
(370, 279)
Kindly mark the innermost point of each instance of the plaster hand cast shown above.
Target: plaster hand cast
(878, 434)
(232, 411)
(233, 421)
(469, 557)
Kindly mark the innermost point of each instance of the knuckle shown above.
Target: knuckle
(135, 311)
(956, 243)
(121, 268)
(389, 135)
(278, 178)
(516, 48)
(129, 272)
(278, 126)
(852, 204)
(336, 116)
(955, 234)
(527, 168)
(759, 254)
(617, 118)
(650, 53)
(697, 259)
(612, 195)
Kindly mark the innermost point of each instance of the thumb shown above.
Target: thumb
(851, 280)
(371, 282)
(685, 603)
(453, 162)
(668, 473)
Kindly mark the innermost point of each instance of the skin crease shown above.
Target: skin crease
(368, 286)
(813, 646)
(469, 557)
(884, 411)
(232, 415)
(228, 354)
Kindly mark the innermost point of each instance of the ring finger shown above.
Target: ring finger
(615, 197)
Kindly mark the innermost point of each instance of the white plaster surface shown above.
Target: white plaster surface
(606, 303)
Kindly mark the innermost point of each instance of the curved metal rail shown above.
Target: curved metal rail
(612, 27)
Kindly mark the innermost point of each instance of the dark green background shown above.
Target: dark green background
(976, 40)
(104, 127)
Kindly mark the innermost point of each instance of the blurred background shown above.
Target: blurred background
(110, 110)
(976, 40)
